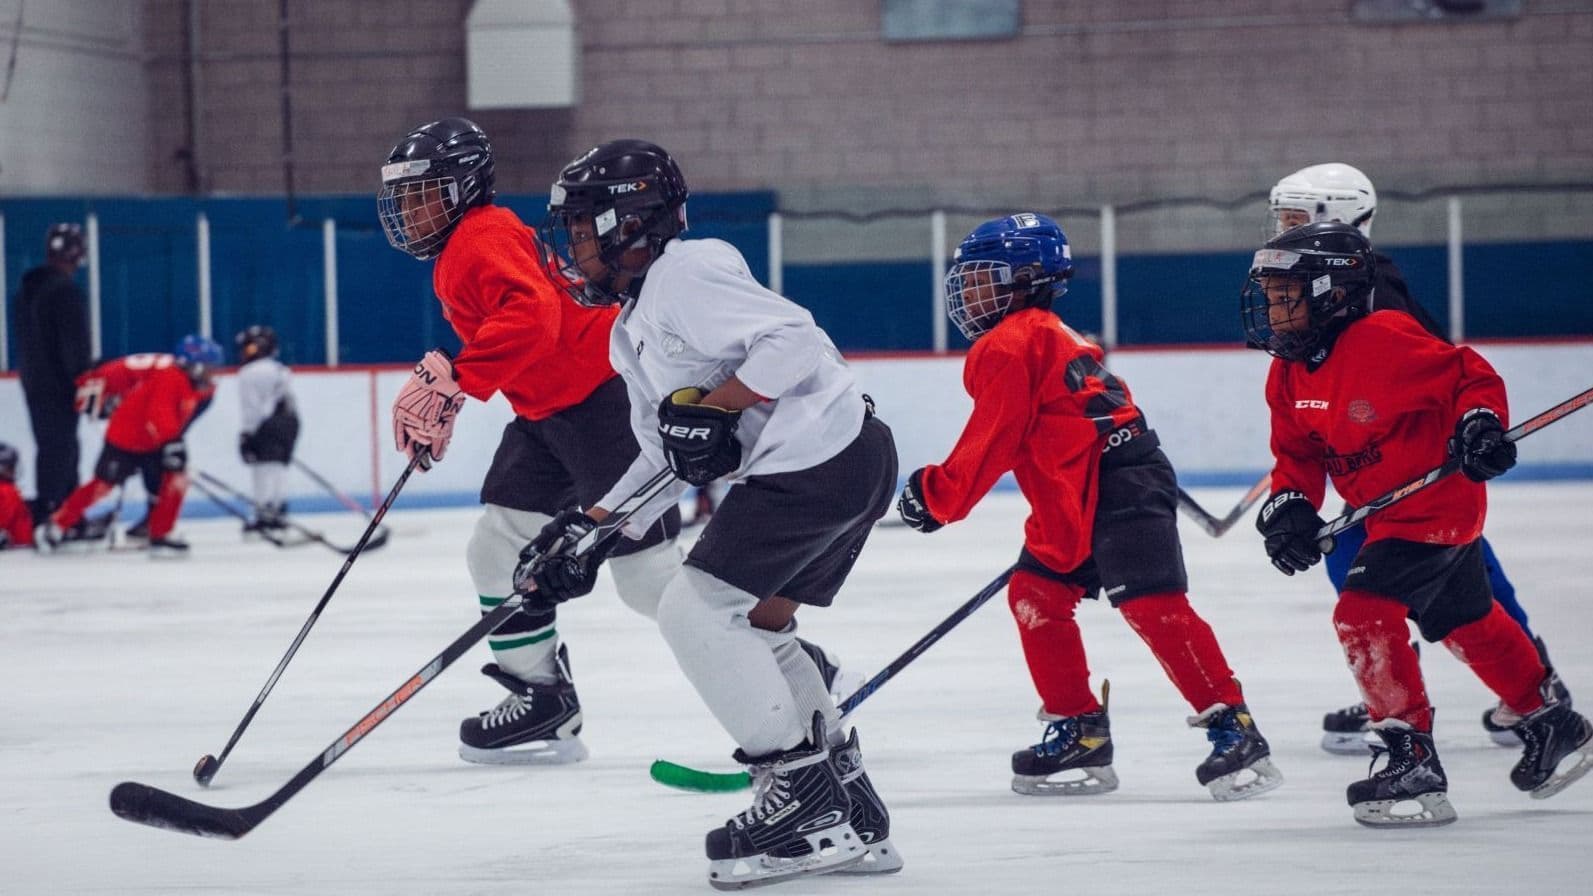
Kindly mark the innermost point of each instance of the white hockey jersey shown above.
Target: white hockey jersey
(262, 383)
(701, 318)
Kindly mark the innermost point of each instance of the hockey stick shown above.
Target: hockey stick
(378, 541)
(219, 501)
(681, 777)
(331, 489)
(207, 766)
(1324, 536)
(1217, 528)
(158, 808)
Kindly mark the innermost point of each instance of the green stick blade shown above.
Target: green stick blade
(681, 777)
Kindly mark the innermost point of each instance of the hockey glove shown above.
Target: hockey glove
(1289, 524)
(246, 448)
(911, 505)
(550, 567)
(174, 456)
(424, 412)
(1480, 447)
(90, 398)
(699, 440)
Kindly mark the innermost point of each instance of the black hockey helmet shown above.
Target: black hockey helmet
(1305, 285)
(257, 341)
(8, 463)
(431, 178)
(64, 242)
(624, 194)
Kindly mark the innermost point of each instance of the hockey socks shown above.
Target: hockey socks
(1372, 631)
(168, 504)
(1185, 646)
(1052, 646)
(78, 503)
(1500, 653)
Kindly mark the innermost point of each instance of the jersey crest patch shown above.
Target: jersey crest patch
(1361, 411)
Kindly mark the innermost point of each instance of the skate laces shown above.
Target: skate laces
(1225, 733)
(1060, 736)
(771, 790)
(510, 709)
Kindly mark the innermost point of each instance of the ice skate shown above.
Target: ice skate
(1348, 731)
(870, 818)
(798, 823)
(1240, 765)
(47, 537)
(167, 547)
(1499, 721)
(1557, 745)
(537, 724)
(1077, 748)
(1411, 790)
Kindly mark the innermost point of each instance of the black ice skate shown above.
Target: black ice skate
(537, 724)
(1077, 747)
(1557, 746)
(798, 823)
(1240, 765)
(1413, 775)
(870, 818)
(167, 547)
(1498, 720)
(1348, 731)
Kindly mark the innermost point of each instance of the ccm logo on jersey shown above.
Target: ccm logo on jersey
(1314, 404)
(694, 433)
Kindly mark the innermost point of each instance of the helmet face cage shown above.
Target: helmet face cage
(978, 295)
(1024, 255)
(1293, 299)
(431, 178)
(419, 214)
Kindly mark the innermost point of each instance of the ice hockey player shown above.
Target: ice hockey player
(728, 380)
(1103, 515)
(153, 398)
(1373, 401)
(570, 438)
(269, 422)
(1338, 192)
(16, 522)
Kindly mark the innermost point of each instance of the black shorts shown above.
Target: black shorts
(115, 465)
(798, 534)
(1135, 549)
(571, 459)
(273, 441)
(1443, 587)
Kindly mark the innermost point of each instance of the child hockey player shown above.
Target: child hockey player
(269, 425)
(16, 522)
(570, 438)
(1103, 515)
(1374, 401)
(728, 380)
(153, 398)
(1337, 192)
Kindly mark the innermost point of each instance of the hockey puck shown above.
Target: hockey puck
(205, 769)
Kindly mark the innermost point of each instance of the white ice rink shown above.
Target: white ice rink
(114, 667)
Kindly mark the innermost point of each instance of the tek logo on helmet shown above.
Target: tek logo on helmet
(1342, 262)
(632, 187)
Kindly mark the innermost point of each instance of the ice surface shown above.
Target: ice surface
(114, 667)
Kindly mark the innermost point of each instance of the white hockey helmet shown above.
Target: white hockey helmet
(1330, 192)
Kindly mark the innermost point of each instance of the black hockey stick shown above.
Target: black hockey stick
(377, 541)
(158, 808)
(331, 489)
(1217, 528)
(1324, 536)
(207, 766)
(681, 777)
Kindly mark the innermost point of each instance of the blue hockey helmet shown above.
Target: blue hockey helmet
(199, 355)
(1022, 259)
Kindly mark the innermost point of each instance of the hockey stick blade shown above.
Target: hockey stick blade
(157, 808)
(1217, 528)
(680, 777)
(1325, 535)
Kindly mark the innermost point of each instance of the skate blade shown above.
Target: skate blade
(833, 849)
(1434, 811)
(1560, 780)
(548, 752)
(882, 858)
(1263, 776)
(1346, 743)
(1097, 780)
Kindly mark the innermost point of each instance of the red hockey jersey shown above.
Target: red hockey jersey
(156, 408)
(15, 520)
(1377, 414)
(100, 389)
(1043, 409)
(522, 334)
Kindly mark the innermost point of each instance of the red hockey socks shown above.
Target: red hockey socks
(1185, 646)
(1052, 646)
(169, 503)
(1377, 647)
(78, 503)
(1501, 654)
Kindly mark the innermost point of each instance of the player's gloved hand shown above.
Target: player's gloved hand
(426, 407)
(1289, 524)
(90, 398)
(550, 566)
(911, 505)
(174, 456)
(1480, 447)
(699, 440)
(246, 448)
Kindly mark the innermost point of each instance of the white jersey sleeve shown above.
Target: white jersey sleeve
(262, 384)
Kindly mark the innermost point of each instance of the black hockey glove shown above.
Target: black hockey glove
(1289, 524)
(1480, 447)
(247, 449)
(174, 456)
(911, 505)
(551, 565)
(699, 440)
